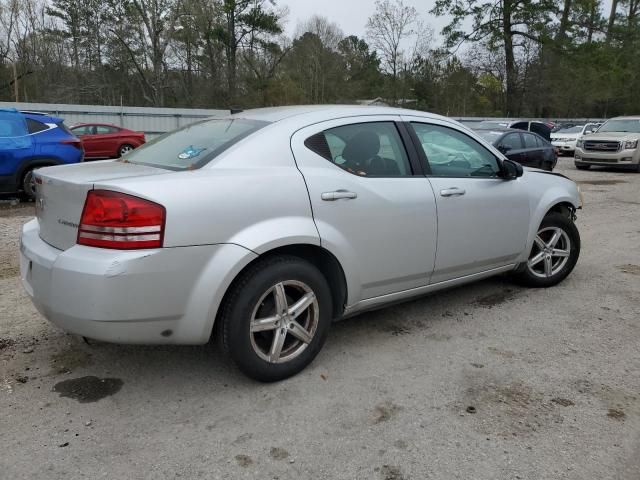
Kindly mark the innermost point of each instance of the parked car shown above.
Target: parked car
(103, 140)
(262, 227)
(541, 128)
(565, 138)
(614, 144)
(526, 148)
(30, 140)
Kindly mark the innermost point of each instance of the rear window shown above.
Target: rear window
(194, 145)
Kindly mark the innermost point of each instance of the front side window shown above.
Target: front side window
(372, 149)
(511, 142)
(104, 129)
(194, 145)
(451, 153)
(83, 130)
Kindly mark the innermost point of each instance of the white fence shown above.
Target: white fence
(151, 121)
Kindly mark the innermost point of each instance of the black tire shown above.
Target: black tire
(124, 149)
(580, 166)
(255, 290)
(27, 186)
(530, 276)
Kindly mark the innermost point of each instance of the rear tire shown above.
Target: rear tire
(124, 149)
(553, 255)
(275, 318)
(27, 187)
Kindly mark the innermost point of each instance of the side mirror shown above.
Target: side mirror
(504, 148)
(511, 169)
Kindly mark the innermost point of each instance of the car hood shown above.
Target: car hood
(612, 136)
(572, 136)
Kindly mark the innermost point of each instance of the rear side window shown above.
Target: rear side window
(540, 143)
(34, 126)
(194, 145)
(529, 140)
(83, 130)
(372, 149)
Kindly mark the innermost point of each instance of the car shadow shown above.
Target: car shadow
(182, 367)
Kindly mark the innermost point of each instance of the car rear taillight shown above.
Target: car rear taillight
(73, 142)
(120, 221)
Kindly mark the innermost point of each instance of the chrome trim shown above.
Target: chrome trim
(120, 238)
(95, 228)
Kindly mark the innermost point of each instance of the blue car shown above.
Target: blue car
(30, 140)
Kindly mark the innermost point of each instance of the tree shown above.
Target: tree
(505, 24)
(386, 29)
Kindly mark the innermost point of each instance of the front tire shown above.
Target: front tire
(276, 317)
(554, 253)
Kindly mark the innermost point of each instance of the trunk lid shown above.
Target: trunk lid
(62, 190)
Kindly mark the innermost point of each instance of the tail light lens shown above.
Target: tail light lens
(74, 143)
(120, 221)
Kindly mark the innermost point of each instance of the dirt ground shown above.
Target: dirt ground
(487, 381)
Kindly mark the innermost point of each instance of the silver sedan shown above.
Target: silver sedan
(260, 228)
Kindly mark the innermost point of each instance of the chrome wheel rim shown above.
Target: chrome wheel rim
(284, 321)
(550, 252)
(125, 149)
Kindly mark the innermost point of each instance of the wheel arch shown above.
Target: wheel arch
(318, 256)
(32, 163)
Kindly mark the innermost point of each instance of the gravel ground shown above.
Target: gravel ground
(487, 381)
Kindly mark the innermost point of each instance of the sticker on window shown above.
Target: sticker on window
(190, 152)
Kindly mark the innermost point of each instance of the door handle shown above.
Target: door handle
(337, 195)
(451, 192)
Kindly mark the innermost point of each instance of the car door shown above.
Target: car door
(89, 141)
(483, 220)
(511, 146)
(533, 153)
(107, 140)
(373, 210)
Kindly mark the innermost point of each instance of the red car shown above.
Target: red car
(102, 140)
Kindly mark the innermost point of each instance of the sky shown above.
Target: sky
(350, 15)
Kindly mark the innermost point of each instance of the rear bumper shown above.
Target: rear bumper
(167, 295)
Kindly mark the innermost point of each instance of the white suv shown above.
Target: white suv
(615, 144)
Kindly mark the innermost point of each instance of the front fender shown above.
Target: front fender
(553, 196)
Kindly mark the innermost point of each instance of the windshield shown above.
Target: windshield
(14, 133)
(632, 125)
(194, 145)
(577, 129)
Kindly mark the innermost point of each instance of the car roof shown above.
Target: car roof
(325, 112)
(96, 124)
(627, 117)
(42, 117)
(499, 129)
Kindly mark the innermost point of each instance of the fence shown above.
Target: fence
(151, 121)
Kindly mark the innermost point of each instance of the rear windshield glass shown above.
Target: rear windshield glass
(632, 126)
(489, 135)
(194, 145)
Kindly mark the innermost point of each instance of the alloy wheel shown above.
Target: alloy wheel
(550, 252)
(125, 149)
(284, 321)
